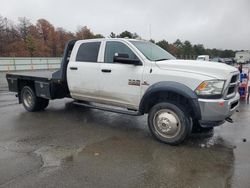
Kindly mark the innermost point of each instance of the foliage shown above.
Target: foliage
(43, 39)
(30, 43)
(185, 50)
(112, 35)
(127, 34)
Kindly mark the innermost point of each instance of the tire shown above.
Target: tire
(31, 102)
(169, 123)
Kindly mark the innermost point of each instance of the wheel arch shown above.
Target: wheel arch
(170, 90)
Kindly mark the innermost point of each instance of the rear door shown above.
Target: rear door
(83, 73)
(120, 84)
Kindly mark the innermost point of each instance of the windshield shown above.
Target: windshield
(152, 51)
(200, 58)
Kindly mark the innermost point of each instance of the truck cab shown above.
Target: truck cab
(136, 77)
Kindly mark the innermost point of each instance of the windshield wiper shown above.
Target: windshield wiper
(161, 59)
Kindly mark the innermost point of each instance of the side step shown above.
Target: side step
(135, 113)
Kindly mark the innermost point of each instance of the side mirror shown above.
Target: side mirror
(124, 58)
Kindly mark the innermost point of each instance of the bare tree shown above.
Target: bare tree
(23, 27)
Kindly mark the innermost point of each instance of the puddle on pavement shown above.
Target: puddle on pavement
(215, 141)
(54, 156)
(139, 160)
(146, 163)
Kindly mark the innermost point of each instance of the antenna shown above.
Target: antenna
(150, 37)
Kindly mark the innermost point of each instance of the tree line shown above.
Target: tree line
(42, 39)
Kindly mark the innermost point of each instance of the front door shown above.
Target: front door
(120, 84)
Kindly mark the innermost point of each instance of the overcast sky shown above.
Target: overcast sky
(221, 24)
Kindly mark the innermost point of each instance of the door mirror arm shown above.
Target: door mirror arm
(124, 58)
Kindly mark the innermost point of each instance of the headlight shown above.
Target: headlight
(210, 88)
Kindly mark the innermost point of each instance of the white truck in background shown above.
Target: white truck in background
(203, 58)
(139, 77)
(242, 57)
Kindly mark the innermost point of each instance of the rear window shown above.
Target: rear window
(88, 52)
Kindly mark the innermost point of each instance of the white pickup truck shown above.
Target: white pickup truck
(137, 77)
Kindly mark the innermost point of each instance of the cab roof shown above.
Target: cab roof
(110, 39)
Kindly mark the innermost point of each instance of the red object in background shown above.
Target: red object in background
(243, 86)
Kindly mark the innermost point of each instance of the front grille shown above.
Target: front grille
(231, 91)
(233, 105)
(234, 78)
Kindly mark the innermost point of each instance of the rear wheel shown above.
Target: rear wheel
(169, 123)
(31, 102)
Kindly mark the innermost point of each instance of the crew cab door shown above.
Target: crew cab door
(83, 72)
(120, 83)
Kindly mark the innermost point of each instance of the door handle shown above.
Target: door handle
(73, 68)
(106, 70)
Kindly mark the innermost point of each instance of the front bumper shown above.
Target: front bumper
(215, 111)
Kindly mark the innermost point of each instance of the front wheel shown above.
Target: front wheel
(169, 123)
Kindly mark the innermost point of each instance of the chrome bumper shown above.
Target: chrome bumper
(217, 110)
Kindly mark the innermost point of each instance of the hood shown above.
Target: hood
(211, 69)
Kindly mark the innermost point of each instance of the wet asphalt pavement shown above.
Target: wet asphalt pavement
(70, 146)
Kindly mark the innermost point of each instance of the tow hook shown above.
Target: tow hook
(228, 119)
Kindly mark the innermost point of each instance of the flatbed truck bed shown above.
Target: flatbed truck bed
(34, 75)
(46, 84)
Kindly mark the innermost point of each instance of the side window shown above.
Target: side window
(88, 52)
(113, 47)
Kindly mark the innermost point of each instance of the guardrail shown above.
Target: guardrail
(29, 63)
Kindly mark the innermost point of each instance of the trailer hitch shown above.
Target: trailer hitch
(228, 119)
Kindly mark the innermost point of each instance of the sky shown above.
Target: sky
(222, 24)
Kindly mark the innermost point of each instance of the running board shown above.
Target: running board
(136, 113)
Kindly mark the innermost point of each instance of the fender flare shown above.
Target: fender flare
(170, 86)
